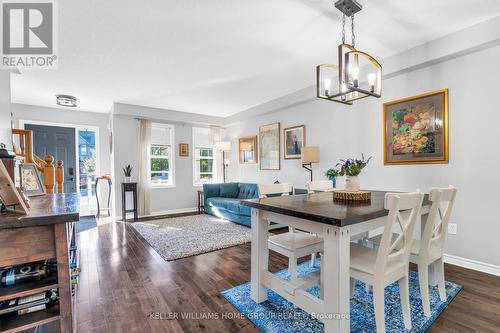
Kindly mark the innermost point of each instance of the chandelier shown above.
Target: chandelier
(358, 74)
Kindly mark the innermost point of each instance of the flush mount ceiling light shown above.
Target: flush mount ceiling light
(358, 74)
(66, 100)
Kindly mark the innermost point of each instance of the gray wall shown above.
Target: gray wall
(5, 134)
(347, 131)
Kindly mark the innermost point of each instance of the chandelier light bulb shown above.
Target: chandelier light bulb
(354, 74)
(327, 83)
(371, 81)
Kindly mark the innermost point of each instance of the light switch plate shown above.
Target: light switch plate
(452, 228)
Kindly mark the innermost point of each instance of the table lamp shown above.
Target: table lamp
(309, 156)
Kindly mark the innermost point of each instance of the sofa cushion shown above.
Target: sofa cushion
(211, 190)
(231, 204)
(248, 191)
(229, 190)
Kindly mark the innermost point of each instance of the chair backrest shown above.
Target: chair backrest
(320, 186)
(274, 189)
(398, 249)
(436, 226)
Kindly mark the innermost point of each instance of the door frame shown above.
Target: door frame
(95, 129)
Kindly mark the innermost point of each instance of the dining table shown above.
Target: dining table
(338, 222)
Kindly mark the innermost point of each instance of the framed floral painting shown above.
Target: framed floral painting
(416, 129)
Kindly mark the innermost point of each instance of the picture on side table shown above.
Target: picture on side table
(295, 139)
(269, 147)
(247, 147)
(30, 180)
(416, 129)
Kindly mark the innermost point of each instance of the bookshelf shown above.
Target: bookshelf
(46, 232)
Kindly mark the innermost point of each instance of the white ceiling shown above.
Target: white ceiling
(220, 57)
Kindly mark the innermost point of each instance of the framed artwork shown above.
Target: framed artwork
(30, 181)
(9, 194)
(269, 147)
(247, 147)
(183, 149)
(295, 139)
(416, 129)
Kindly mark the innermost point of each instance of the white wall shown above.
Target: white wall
(347, 131)
(70, 117)
(181, 197)
(5, 134)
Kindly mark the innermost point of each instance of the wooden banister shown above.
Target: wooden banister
(49, 174)
(60, 176)
(52, 175)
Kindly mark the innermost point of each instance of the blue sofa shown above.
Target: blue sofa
(224, 200)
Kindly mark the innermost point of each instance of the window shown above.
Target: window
(203, 156)
(161, 155)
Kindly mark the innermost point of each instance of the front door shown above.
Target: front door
(60, 143)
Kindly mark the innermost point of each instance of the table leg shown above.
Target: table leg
(336, 265)
(260, 256)
(97, 198)
(109, 196)
(135, 206)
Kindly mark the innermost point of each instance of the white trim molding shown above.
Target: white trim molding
(472, 264)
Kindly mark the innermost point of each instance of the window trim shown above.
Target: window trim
(171, 160)
(214, 180)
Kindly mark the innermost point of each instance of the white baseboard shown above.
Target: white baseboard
(472, 264)
(174, 211)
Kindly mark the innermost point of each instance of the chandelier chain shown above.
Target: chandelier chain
(343, 28)
(353, 35)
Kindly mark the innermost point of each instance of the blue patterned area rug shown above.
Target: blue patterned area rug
(277, 315)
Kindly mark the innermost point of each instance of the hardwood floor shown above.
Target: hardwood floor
(125, 286)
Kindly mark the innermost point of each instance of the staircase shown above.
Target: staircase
(53, 176)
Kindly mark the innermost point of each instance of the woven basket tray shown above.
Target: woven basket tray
(351, 196)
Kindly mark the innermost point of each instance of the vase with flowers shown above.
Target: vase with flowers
(350, 168)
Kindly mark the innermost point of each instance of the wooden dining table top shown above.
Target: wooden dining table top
(323, 208)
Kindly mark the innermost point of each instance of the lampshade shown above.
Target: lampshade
(223, 145)
(310, 154)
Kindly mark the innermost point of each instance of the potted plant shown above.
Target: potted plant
(332, 175)
(127, 171)
(350, 168)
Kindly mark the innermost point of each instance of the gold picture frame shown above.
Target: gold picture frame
(294, 140)
(248, 150)
(183, 149)
(416, 129)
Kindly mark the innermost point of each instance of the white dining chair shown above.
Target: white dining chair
(429, 250)
(320, 186)
(390, 262)
(293, 244)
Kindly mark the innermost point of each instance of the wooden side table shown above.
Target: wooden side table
(201, 202)
(129, 187)
(108, 178)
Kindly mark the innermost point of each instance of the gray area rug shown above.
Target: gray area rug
(180, 237)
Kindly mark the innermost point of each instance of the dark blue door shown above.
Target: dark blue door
(60, 143)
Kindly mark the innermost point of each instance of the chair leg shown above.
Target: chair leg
(292, 268)
(321, 278)
(353, 287)
(423, 278)
(313, 259)
(404, 293)
(439, 267)
(378, 305)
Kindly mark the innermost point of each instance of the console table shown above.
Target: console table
(46, 232)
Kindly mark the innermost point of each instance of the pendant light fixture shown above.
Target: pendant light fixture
(358, 74)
